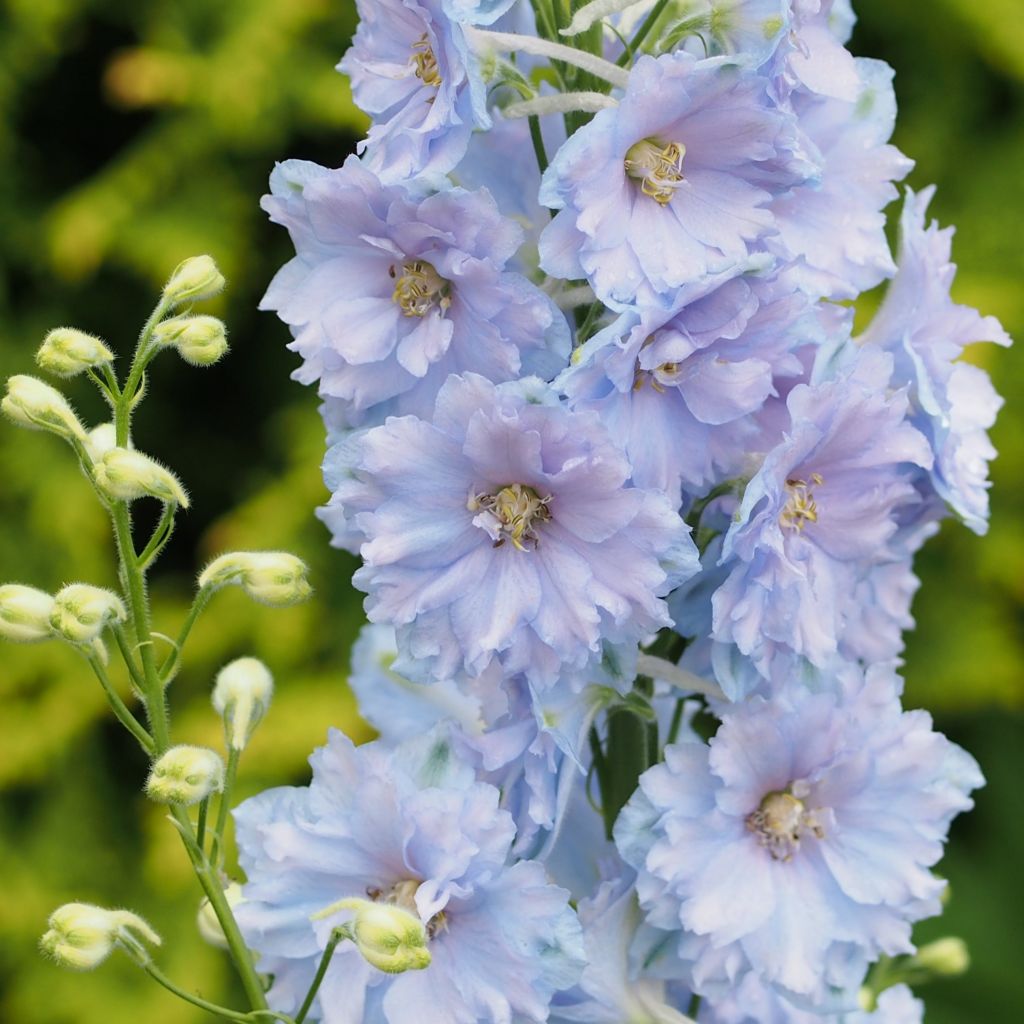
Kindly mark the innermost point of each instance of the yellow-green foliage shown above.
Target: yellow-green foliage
(135, 134)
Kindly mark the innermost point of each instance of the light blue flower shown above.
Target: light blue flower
(413, 827)
(821, 511)
(953, 403)
(835, 226)
(682, 391)
(412, 71)
(671, 185)
(391, 290)
(798, 844)
(505, 530)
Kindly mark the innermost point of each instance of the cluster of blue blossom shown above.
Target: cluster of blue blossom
(616, 467)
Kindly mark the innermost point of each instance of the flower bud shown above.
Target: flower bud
(207, 922)
(100, 440)
(80, 613)
(67, 352)
(185, 775)
(24, 614)
(275, 578)
(200, 340)
(194, 279)
(389, 938)
(126, 474)
(82, 936)
(944, 957)
(32, 403)
(242, 695)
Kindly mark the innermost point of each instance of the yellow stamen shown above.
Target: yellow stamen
(512, 513)
(657, 166)
(782, 820)
(424, 62)
(420, 288)
(801, 508)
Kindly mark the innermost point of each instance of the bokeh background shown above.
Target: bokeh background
(135, 134)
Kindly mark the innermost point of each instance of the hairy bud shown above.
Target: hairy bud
(389, 937)
(185, 775)
(100, 440)
(82, 936)
(242, 695)
(200, 340)
(946, 957)
(24, 614)
(125, 474)
(80, 612)
(275, 578)
(194, 279)
(67, 352)
(32, 403)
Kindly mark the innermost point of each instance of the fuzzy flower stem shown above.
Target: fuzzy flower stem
(218, 1011)
(158, 541)
(217, 851)
(658, 668)
(120, 709)
(337, 936)
(170, 664)
(642, 33)
(125, 647)
(512, 42)
(561, 103)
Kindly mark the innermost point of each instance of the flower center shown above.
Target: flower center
(424, 62)
(419, 288)
(801, 508)
(512, 513)
(657, 378)
(782, 820)
(657, 166)
(403, 894)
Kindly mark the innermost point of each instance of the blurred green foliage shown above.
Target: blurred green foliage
(133, 135)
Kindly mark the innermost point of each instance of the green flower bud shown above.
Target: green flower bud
(242, 695)
(275, 578)
(125, 474)
(80, 613)
(82, 936)
(389, 938)
(67, 352)
(24, 614)
(200, 340)
(194, 279)
(32, 403)
(946, 957)
(185, 775)
(207, 922)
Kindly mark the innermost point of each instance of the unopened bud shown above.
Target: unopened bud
(82, 936)
(194, 279)
(100, 440)
(207, 922)
(242, 695)
(185, 775)
(270, 577)
(944, 957)
(24, 614)
(67, 352)
(80, 612)
(389, 938)
(32, 403)
(200, 340)
(126, 474)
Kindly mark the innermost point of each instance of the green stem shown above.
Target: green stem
(141, 359)
(120, 709)
(642, 32)
(204, 806)
(158, 541)
(538, 144)
(218, 1011)
(125, 647)
(677, 721)
(217, 851)
(337, 936)
(214, 892)
(170, 664)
